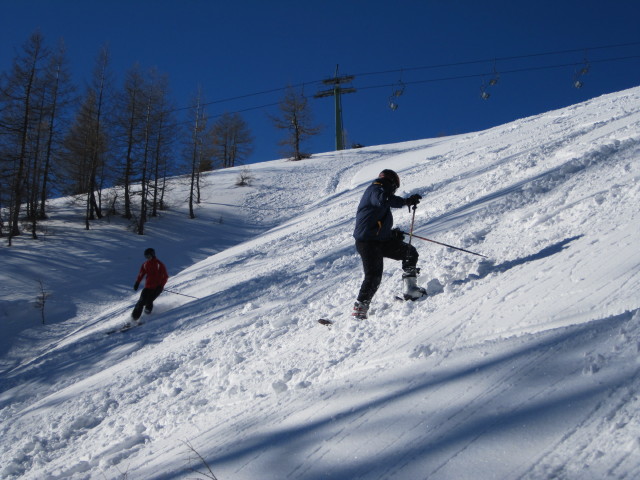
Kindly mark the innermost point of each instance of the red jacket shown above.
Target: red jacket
(156, 273)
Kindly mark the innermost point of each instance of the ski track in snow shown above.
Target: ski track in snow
(520, 366)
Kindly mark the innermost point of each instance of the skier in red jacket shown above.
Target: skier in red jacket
(157, 277)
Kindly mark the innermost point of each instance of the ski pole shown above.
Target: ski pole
(413, 219)
(446, 245)
(178, 293)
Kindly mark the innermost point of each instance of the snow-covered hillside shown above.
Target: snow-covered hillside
(524, 366)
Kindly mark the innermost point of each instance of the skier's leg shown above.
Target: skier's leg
(372, 264)
(137, 310)
(151, 297)
(399, 250)
(410, 274)
(409, 255)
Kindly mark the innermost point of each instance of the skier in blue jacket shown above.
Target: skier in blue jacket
(376, 239)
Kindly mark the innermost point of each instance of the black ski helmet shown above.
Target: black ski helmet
(149, 252)
(391, 175)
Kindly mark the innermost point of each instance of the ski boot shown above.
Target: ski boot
(411, 289)
(360, 310)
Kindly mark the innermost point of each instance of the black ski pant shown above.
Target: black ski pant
(147, 296)
(372, 255)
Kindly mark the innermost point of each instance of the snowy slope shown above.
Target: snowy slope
(521, 366)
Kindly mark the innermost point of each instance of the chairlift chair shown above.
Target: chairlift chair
(398, 92)
(577, 83)
(496, 75)
(393, 105)
(483, 92)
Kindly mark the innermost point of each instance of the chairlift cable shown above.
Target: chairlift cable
(517, 70)
(440, 79)
(502, 59)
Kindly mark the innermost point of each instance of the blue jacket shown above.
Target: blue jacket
(374, 220)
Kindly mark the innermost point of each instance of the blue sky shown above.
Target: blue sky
(241, 47)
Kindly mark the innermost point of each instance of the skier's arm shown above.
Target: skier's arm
(382, 198)
(164, 274)
(139, 277)
(397, 202)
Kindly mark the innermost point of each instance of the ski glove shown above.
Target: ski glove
(135, 287)
(413, 200)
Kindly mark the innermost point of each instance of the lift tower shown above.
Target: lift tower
(335, 92)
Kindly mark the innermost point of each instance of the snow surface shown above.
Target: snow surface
(524, 366)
